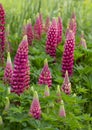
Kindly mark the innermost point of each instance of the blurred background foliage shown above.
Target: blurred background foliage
(18, 10)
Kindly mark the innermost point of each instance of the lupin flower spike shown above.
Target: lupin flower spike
(51, 42)
(35, 109)
(45, 77)
(2, 33)
(38, 27)
(47, 23)
(8, 70)
(47, 91)
(83, 41)
(58, 93)
(21, 72)
(66, 87)
(62, 112)
(73, 24)
(60, 30)
(29, 32)
(68, 54)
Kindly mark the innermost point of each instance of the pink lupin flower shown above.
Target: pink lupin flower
(62, 112)
(73, 24)
(45, 76)
(2, 18)
(66, 87)
(83, 41)
(47, 24)
(2, 33)
(20, 78)
(8, 70)
(41, 21)
(51, 42)
(68, 54)
(29, 32)
(35, 109)
(60, 30)
(47, 91)
(38, 28)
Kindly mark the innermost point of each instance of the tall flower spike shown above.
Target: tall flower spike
(62, 112)
(51, 42)
(47, 91)
(47, 24)
(2, 33)
(21, 68)
(60, 30)
(45, 76)
(35, 109)
(29, 32)
(38, 28)
(68, 54)
(58, 93)
(41, 21)
(66, 87)
(8, 70)
(83, 41)
(73, 24)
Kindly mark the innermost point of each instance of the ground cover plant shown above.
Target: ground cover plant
(45, 65)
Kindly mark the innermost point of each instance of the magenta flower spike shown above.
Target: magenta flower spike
(47, 91)
(41, 21)
(68, 54)
(62, 112)
(38, 28)
(20, 78)
(35, 109)
(51, 42)
(2, 33)
(47, 24)
(45, 77)
(8, 70)
(66, 87)
(60, 30)
(29, 32)
(73, 24)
